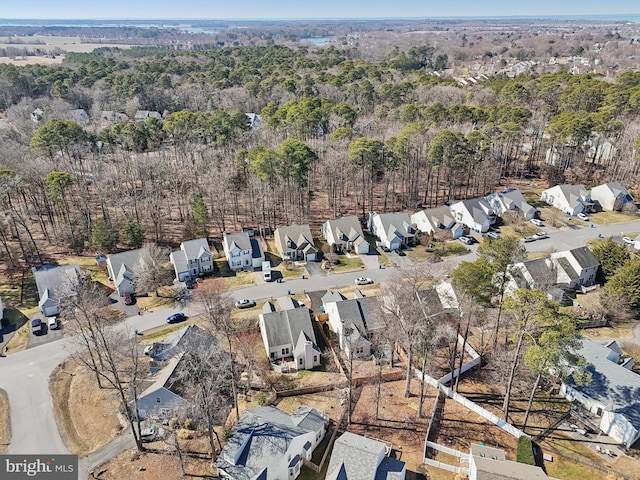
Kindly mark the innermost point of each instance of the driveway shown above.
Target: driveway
(314, 269)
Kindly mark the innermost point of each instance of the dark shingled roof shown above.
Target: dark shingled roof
(584, 257)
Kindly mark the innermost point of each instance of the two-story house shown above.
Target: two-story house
(242, 251)
(511, 200)
(611, 196)
(394, 230)
(268, 444)
(55, 284)
(476, 214)
(430, 220)
(570, 199)
(344, 234)
(577, 267)
(192, 260)
(120, 267)
(295, 242)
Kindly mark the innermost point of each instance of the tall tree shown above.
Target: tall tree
(153, 271)
(610, 254)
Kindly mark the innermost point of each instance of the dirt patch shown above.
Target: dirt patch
(86, 415)
(5, 421)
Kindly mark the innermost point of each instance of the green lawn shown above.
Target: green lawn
(347, 264)
(609, 218)
(233, 279)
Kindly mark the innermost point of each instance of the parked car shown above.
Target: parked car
(363, 281)
(529, 239)
(128, 298)
(466, 240)
(493, 235)
(53, 323)
(628, 241)
(541, 235)
(245, 303)
(176, 318)
(36, 326)
(537, 222)
(583, 217)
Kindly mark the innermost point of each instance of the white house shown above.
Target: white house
(570, 199)
(120, 268)
(511, 200)
(611, 196)
(345, 234)
(193, 259)
(354, 321)
(268, 444)
(242, 251)
(288, 334)
(355, 457)
(429, 220)
(576, 267)
(613, 394)
(491, 463)
(476, 214)
(394, 230)
(54, 284)
(295, 242)
(142, 115)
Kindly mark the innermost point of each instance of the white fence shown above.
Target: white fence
(475, 360)
(445, 466)
(450, 451)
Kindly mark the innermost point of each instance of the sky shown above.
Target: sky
(304, 9)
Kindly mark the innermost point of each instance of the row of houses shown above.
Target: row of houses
(575, 199)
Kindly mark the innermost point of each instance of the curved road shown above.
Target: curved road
(25, 375)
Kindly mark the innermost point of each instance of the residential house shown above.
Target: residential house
(344, 234)
(429, 220)
(601, 150)
(192, 260)
(161, 398)
(354, 321)
(355, 457)
(54, 284)
(295, 242)
(191, 338)
(394, 230)
(476, 214)
(120, 267)
(268, 444)
(254, 120)
(488, 463)
(577, 267)
(242, 251)
(570, 199)
(79, 115)
(613, 394)
(611, 196)
(288, 334)
(511, 200)
(109, 117)
(142, 115)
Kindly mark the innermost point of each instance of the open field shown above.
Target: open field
(47, 42)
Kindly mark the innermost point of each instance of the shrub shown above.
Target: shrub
(261, 399)
(524, 452)
(189, 424)
(173, 423)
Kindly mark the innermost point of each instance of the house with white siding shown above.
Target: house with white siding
(611, 196)
(394, 230)
(242, 251)
(344, 234)
(569, 199)
(476, 214)
(120, 267)
(192, 260)
(54, 285)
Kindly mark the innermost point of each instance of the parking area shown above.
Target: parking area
(46, 334)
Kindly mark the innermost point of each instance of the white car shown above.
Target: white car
(537, 222)
(493, 235)
(583, 217)
(541, 235)
(628, 241)
(363, 281)
(52, 323)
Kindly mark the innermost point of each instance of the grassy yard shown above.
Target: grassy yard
(20, 292)
(610, 218)
(165, 297)
(88, 264)
(347, 264)
(233, 279)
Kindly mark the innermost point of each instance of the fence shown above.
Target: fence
(475, 360)
(308, 390)
(445, 466)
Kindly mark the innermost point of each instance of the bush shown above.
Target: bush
(524, 453)
(261, 399)
(173, 423)
(189, 424)
(226, 432)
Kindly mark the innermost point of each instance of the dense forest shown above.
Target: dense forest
(338, 132)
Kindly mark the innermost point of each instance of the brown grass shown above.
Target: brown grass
(5, 423)
(85, 414)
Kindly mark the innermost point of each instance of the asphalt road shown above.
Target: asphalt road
(25, 375)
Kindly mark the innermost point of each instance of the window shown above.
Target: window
(285, 351)
(158, 400)
(359, 350)
(273, 354)
(315, 358)
(300, 362)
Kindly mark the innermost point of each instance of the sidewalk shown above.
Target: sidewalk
(123, 442)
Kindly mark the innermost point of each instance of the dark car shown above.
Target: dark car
(400, 253)
(176, 318)
(128, 298)
(36, 326)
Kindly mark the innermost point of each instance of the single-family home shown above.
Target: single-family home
(242, 251)
(109, 117)
(120, 267)
(288, 335)
(79, 115)
(429, 220)
(268, 444)
(295, 242)
(577, 267)
(570, 199)
(511, 200)
(191, 338)
(613, 394)
(488, 463)
(611, 196)
(142, 115)
(344, 234)
(160, 397)
(394, 230)
(601, 149)
(192, 260)
(355, 457)
(354, 321)
(475, 213)
(55, 284)
(538, 273)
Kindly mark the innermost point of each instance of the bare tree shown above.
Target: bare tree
(152, 272)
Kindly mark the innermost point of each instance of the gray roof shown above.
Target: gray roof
(440, 215)
(191, 338)
(330, 297)
(284, 327)
(565, 265)
(356, 458)
(287, 303)
(130, 259)
(241, 240)
(179, 260)
(347, 226)
(363, 314)
(479, 208)
(59, 281)
(309, 419)
(574, 194)
(397, 222)
(542, 271)
(584, 257)
(492, 465)
(295, 237)
(260, 442)
(617, 190)
(195, 248)
(163, 377)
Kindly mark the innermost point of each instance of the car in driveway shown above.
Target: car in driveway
(583, 217)
(529, 239)
(52, 323)
(128, 298)
(541, 235)
(466, 240)
(36, 326)
(363, 281)
(537, 222)
(628, 241)
(176, 318)
(245, 303)
(493, 235)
